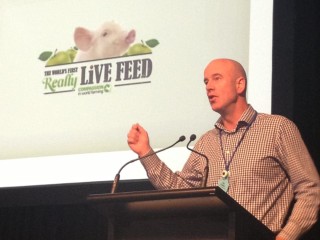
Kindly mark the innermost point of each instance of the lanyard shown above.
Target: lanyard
(227, 163)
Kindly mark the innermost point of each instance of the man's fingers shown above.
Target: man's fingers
(133, 135)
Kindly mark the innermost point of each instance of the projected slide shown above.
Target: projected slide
(75, 76)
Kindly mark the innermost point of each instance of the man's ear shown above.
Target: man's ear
(241, 85)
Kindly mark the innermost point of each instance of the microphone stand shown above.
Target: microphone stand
(206, 168)
(117, 177)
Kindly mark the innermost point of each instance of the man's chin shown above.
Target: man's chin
(215, 108)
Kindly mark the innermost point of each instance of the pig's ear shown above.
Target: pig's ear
(131, 36)
(83, 38)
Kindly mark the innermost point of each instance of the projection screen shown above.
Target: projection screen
(75, 75)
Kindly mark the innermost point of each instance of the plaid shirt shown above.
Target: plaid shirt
(270, 168)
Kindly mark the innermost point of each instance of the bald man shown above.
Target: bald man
(259, 159)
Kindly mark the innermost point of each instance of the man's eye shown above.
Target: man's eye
(104, 34)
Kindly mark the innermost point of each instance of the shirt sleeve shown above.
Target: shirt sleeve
(304, 179)
(162, 177)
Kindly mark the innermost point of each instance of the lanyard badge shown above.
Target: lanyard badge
(223, 183)
(224, 180)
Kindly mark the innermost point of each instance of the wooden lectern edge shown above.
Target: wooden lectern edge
(152, 194)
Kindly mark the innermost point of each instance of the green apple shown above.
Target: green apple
(61, 57)
(72, 53)
(139, 48)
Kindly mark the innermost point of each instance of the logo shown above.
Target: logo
(100, 60)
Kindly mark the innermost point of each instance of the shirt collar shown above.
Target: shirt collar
(247, 118)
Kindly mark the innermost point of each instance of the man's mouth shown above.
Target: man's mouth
(212, 98)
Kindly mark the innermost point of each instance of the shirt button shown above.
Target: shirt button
(227, 152)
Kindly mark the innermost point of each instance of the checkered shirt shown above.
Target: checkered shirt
(270, 168)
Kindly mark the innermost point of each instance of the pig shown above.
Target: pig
(106, 42)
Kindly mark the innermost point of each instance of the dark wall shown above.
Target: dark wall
(296, 72)
(296, 68)
(307, 75)
(57, 212)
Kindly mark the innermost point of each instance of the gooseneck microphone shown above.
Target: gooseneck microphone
(117, 177)
(206, 169)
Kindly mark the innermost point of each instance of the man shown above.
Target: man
(260, 160)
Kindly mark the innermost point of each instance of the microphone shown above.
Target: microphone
(117, 177)
(206, 169)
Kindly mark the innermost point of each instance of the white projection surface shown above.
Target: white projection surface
(66, 121)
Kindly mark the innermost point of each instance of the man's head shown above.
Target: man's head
(226, 84)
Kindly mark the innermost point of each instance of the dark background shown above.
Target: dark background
(296, 68)
(56, 211)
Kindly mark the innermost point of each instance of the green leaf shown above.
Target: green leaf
(44, 56)
(152, 43)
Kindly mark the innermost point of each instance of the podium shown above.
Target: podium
(200, 213)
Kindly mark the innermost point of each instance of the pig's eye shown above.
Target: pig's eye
(104, 34)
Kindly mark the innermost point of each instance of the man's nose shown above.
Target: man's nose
(210, 85)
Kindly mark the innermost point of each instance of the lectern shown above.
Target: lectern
(201, 213)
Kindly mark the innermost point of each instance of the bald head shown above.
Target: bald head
(225, 81)
(233, 66)
(229, 66)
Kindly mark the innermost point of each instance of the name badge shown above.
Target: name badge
(224, 181)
